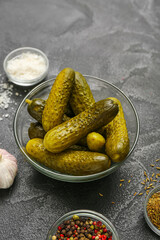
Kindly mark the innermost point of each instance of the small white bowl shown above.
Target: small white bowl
(16, 53)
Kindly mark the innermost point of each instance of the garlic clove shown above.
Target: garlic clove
(8, 169)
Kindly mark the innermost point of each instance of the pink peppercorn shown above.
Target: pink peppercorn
(104, 230)
(99, 223)
(61, 235)
(59, 228)
(94, 223)
(104, 237)
(95, 230)
(93, 237)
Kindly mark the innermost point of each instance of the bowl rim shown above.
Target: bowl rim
(85, 211)
(34, 80)
(150, 224)
(70, 178)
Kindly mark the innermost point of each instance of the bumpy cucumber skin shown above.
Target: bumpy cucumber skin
(70, 162)
(58, 99)
(36, 130)
(65, 118)
(81, 97)
(117, 140)
(95, 141)
(35, 108)
(70, 132)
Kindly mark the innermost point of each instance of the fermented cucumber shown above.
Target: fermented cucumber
(35, 108)
(58, 99)
(81, 97)
(95, 141)
(117, 140)
(36, 130)
(71, 162)
(70, 132)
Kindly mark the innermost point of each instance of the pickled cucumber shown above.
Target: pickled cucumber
(58, 99)
(95, 141)
(70, 132)
(81, 97)
(36, 130)
(71, 162)
(117, 140)
(35, 108)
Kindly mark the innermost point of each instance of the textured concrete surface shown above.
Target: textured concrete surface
(116, 40)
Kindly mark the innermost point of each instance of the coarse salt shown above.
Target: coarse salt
(26, 66)
(5, 95)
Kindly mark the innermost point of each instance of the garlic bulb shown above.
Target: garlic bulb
(8, 169)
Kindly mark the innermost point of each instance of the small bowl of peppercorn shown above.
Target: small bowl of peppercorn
(82, 225)
(152, 210)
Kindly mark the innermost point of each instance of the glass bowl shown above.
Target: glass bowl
(150, 224)
(84, 213)
(101, 89)
(16, 53)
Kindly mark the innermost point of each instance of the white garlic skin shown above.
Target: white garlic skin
(8, 169)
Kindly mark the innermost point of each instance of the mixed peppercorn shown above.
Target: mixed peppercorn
(78, 228)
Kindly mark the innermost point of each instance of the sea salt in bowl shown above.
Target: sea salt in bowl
(26, 66)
